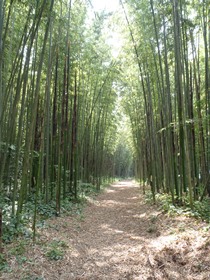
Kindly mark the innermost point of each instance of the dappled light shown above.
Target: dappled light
(104, 140)
(126, 184)
(119, 236)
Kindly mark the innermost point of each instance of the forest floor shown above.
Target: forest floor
(118, 236)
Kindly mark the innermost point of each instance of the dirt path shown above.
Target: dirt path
(120, 237)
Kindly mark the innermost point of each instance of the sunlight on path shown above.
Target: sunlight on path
(120, 237)
(128, 183)
(125, 240)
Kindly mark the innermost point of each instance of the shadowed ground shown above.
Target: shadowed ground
(119, 237)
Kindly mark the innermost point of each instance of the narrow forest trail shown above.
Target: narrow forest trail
(119, 236)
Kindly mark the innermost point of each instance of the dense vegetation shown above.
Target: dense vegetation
(62, 93)
(169, 108)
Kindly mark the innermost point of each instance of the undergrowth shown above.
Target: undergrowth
(200, 210)
(68, 206)
(3, 263)
(14, 234)
(56, 250)
(44, 211)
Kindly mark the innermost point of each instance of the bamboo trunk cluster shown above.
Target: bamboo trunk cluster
(56, 104)
(172, 53)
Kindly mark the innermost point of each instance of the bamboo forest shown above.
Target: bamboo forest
(100, 95)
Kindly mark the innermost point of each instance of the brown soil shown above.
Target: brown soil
(118, 237)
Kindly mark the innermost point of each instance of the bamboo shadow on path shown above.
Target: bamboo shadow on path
(113, 234)
(118, 237)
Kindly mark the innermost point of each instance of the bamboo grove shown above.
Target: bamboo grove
(168, 101)
(62, 92)
(57, 123)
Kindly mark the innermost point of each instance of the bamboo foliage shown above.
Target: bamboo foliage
(56, 103)
(60, 88)
(170, 54)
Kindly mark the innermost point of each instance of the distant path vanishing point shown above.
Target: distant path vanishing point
(120, 236)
